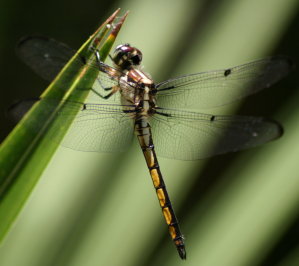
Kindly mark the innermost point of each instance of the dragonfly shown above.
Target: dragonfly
(125, 100)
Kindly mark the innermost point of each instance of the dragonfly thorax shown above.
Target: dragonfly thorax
(136, 86)
(126, 56)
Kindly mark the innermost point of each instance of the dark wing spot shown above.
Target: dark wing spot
(212, 118)
(227, 72)
(84, 107)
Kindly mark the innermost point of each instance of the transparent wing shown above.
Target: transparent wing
(46, 57)
(191, 136)
(101, 125)
(96, 127)
(99, 128)
(216, 88)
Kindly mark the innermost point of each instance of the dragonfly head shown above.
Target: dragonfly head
(126, 56)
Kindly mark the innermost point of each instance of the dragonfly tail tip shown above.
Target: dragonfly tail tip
(182, 252)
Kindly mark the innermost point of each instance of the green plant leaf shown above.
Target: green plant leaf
(25, 153)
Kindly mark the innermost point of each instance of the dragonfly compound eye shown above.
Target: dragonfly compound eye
(126, 56)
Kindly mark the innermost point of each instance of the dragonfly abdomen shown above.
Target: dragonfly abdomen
(144, 135)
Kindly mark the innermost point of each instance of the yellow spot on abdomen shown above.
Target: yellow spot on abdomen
(179, 242)
(161, 197)
(149, 157)
(155, 177)
(172, 232)
(167, 215)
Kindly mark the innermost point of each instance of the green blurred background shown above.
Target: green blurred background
(100, 209)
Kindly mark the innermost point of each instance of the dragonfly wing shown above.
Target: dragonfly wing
(43, 55)
(95, 127)
(187, 135)
(47, 57)
(220, 87)
(99, 128)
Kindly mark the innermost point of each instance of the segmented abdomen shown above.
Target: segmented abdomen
(144, 135)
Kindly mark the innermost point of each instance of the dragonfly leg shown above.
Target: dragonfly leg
(113, 90)
(98, 57)
(106, 96)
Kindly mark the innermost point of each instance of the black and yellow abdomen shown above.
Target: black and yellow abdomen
(144, 135)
